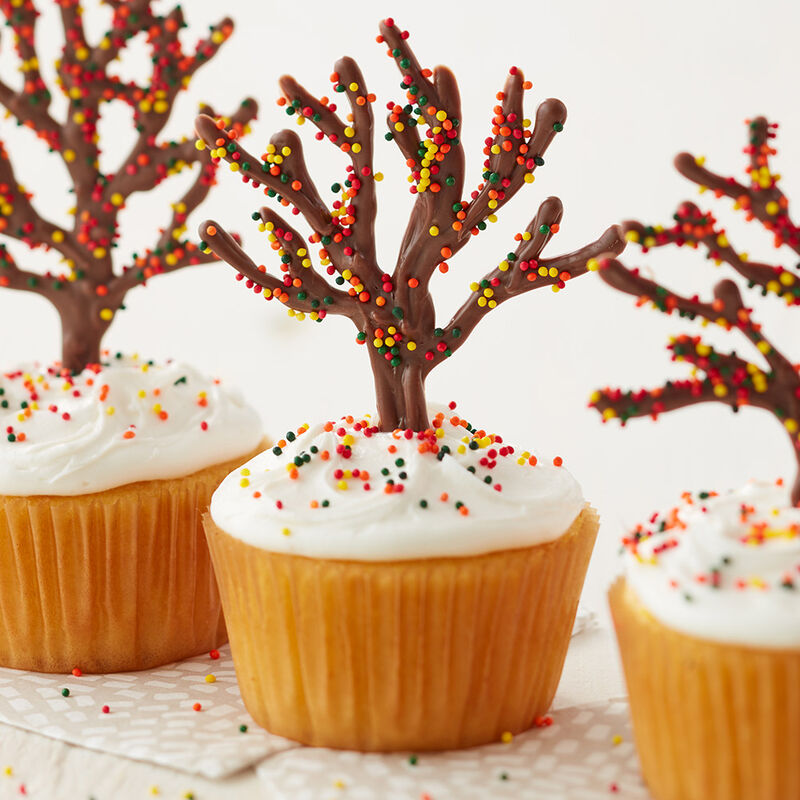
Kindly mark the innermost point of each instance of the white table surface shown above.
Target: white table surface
(53, 770)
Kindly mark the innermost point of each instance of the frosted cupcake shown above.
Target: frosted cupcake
(106, 467)
(708, 613)
(708, 621)
(391, 591)
(401, 582)
(103, 478)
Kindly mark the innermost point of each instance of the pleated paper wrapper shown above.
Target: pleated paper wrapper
(425, 654)
(113, 581)
(712, 721)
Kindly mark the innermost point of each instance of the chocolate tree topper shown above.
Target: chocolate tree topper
(717, 376)
(89, 291)
(394, 311)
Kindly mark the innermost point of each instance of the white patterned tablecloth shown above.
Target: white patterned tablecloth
(180, 753)
(188, 716)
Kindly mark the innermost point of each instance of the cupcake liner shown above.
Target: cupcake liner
(712, 721)
(423, 654)
(113, 581)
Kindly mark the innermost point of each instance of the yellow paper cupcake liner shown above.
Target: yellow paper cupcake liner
(423, 655)
(109, 582)
(712, 721)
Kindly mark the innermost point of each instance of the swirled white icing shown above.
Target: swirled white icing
(343, 490)
(130, 420)
(723, 567)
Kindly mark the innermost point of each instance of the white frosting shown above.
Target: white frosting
(129, 421)
(262, 504)
(752, 538)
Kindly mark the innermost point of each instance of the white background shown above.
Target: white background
(641, 82)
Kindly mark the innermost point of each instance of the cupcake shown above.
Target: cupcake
(707, 617)
(108, 462)
(103, 478)
(393, 591)
(708, 611)
(406, 581)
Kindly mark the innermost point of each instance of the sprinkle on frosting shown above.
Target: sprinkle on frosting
(87, 291)
(717, 376)
(725, 567)
(345, 489)
(393, 311)
(124, 420)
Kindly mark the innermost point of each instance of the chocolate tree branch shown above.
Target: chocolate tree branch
(20, 220)
(355, 217)
(762, 199)
(523, 270)
(693, 228)
(285, 152)
(293, 292)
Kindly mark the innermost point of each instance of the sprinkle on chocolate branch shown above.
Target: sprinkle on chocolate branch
(717, 376)
(393, 310)
(89, 290)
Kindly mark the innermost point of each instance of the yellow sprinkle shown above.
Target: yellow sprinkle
(106, 314)
(211, 678)
(616, 740)
(506, 737)
(244, 482)
(286, 532)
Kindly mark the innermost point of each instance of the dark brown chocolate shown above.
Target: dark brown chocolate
(723, 377)
(90, 291)
(394, 311)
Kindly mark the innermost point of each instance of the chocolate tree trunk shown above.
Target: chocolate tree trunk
(400, 394)
(82, 330)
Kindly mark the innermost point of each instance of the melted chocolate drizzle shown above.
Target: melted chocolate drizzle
(394, 312)
(724, 377)
(90, 291)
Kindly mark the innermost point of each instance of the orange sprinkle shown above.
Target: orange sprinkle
(558, 461)
(444, 496)
(128, 435)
